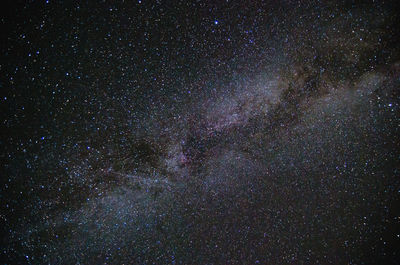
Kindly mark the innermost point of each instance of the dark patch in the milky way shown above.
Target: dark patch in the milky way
(200, 133)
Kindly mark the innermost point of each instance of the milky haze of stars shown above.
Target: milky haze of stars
(200, 132)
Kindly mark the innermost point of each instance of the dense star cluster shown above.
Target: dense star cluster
(200, 132)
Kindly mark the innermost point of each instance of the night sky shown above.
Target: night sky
(200, 132)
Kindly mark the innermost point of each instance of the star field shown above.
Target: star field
(200, 132)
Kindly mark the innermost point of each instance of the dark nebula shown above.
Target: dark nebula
(200, 132)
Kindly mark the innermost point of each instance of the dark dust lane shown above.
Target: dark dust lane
(195, 132)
